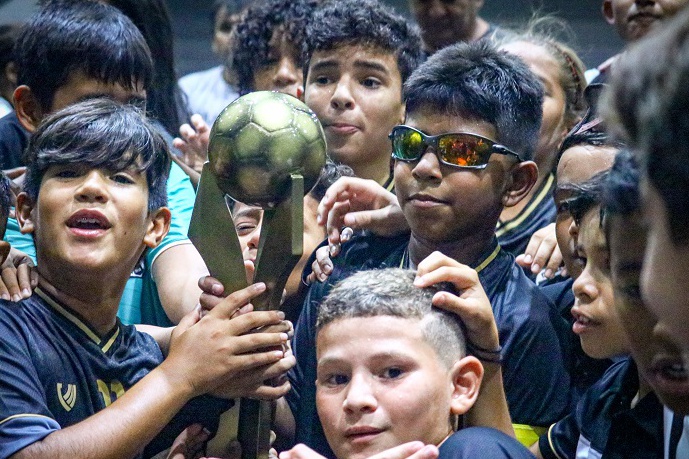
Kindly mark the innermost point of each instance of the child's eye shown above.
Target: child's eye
(562, 209)
(371, 83)
(122, 178)
(67, 173)
(336, 380)
(322, 80)
(244, 228)
(392, 373)
(579, 261)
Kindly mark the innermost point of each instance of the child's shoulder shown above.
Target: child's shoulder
(482, 442)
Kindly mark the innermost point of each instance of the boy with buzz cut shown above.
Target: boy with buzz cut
(74, 381)
(393, 369)
(357, 56)
(472, 120)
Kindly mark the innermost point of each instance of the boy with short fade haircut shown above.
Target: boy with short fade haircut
(393, 369)
(473, 115)
(357, 56)
(74, 381)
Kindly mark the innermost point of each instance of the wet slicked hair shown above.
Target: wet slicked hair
(477, 81)
(366, 23)
(68, 36)
(99, 133)
(390, 292)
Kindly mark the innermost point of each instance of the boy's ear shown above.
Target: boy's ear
(158, 226)
(27, 107)
(24, 213)
(466, 374)
(522, 177)
(606, 9)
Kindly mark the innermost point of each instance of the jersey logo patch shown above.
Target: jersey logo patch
(69, 398)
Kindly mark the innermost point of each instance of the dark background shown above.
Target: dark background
(594, 39)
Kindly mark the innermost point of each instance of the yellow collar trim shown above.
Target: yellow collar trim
(487, 261)
(78, 322)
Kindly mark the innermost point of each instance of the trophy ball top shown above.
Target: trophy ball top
(260, 140)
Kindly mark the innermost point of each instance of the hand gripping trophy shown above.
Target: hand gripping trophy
(266, 149)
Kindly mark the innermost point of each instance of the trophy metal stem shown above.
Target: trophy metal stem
(279, 250)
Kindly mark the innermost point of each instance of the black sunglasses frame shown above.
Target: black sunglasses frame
(434, 141)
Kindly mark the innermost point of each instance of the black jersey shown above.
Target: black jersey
(55, 371)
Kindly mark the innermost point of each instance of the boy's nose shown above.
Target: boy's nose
(342, 96)
(287, 74)
(584, 287)
(428, 166)
(360, 396)
(92, 188)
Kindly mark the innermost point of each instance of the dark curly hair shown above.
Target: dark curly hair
(367, 23)
(253, 33)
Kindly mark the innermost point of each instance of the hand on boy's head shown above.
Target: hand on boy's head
(18, 277)
(411, 450)
(543, 252)
(226, 357)
(471, 303)
(359, 204)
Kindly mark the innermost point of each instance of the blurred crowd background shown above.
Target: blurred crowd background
(593, 39)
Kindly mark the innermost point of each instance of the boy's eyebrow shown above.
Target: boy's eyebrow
(328, 64)
(325, 64)
(249, 212)
(371, 65)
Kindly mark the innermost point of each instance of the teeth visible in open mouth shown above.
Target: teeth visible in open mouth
(583, 320)
(89, 223)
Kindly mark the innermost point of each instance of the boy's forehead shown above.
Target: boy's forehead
(80, 87)
(348, 331)
(432, 121)
(581, 162)
(361, 55)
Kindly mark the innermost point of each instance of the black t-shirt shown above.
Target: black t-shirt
(13, 141)
(482, 442)
(55, 371)
(605, 425)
